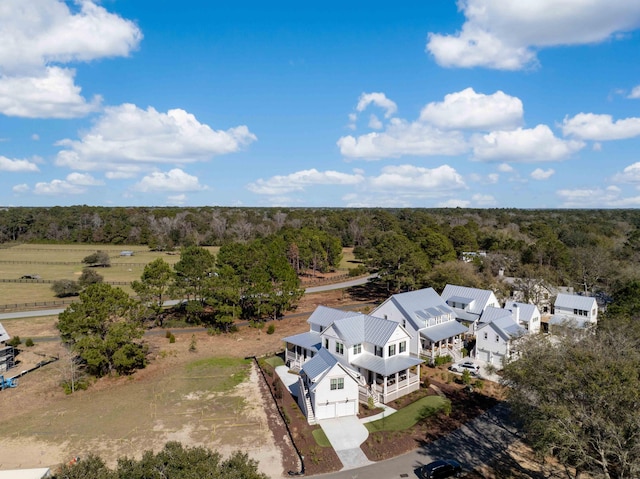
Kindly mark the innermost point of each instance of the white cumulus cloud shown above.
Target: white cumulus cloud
(174, 180)
(55, 31)
(50, 94)
(631, 174)
(524, 145)
(403, 138)
(280, 184)
(58, 188)
(506, 34)
(540, 174)
(635, 92)
(128, 139)
(418, 181)
(83, 179)
(467, 109)
(592, 197)
(380, 100)
(17, 166)
(590, 126)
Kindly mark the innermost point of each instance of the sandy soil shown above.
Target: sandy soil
(42, 427)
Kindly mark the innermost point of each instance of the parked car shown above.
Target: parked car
(440, 469)
(470, 366)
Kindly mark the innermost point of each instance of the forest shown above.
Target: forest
(594, 251)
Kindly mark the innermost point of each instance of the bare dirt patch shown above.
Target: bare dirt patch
(41, 426)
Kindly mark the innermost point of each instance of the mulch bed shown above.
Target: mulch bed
(317, 459)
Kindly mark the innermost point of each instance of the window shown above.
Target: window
(339, 348)
(357, 348)
(497, 338)
(575, 311)
(392, 350)
(403, 347)
(404, 323)
(486, 335)
(326, 343)
(378, 351)
(337, 383)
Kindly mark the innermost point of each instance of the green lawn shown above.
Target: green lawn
(406, 417)
(321, 438)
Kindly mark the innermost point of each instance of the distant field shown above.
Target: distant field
(31, 259)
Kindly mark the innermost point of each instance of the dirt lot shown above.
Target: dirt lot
(41, 426)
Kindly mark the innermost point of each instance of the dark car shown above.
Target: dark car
(440, 469)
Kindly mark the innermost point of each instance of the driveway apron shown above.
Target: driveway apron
(345, 435)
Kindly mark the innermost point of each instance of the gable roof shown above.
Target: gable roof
(419, 306)
(445, 330)
(324, 316)
(319, 364)
(309, 340)
(504, 325)
(478, 298)
(527, 311)
(575, 301)
(365, 329)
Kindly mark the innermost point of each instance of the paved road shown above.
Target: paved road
(314, 289)
(473, 445)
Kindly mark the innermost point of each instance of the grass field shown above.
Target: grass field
(19, 260)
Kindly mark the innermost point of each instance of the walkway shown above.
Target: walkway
(345, 434)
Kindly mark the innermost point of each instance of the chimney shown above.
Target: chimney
(516, 312)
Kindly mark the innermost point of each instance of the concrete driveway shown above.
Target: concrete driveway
(345, 435)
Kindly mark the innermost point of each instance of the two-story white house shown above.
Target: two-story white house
(372, 352)
(468, 304)
(499, 329)
(430, 322)
(574, 310)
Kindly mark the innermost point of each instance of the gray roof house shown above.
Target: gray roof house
(372, 351)
(574, 310)
(495, 335)
(428, 319)
(468, 304)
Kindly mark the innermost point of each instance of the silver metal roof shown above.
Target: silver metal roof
(443, 331)
(319, 364)
(481, 296)
(419, 306)
(575, 301)
(325, 316)
(387, 366)
(308, 340)
(492, 313)
(365, 329)
(526, 310)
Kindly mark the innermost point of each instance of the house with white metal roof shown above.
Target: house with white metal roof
(428, 319)
(527, 315)
(372, 351)
(497, 331)
(574, 310)
(468, 304)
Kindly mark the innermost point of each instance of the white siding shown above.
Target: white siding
(330, 403)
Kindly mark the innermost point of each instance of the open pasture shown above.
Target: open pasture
(54, 262)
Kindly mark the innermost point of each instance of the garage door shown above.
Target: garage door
(483, 355)
(346, 408)
(497, 360)
(326, 411)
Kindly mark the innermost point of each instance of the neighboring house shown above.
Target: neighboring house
(468, 304)
(7, 353)
(346, 348)
(328, 389)
(430, 322)
(525, 314)
(532, 290)
(469, 256)
(496, 334)
(574, 310)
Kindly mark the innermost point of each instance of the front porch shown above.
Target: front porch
(442, 340)
(300, 348)
(389, 388)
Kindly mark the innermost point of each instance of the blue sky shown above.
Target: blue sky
(475, 103)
